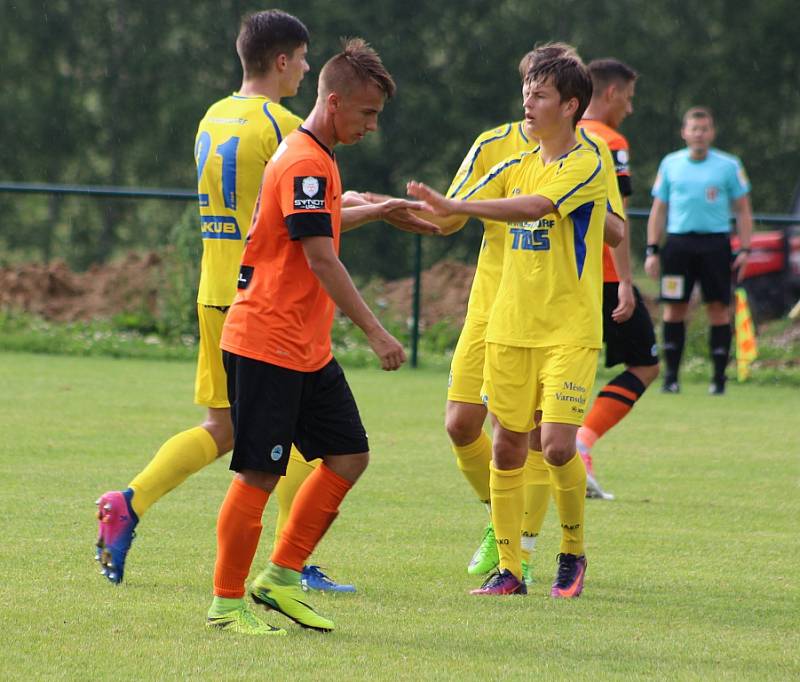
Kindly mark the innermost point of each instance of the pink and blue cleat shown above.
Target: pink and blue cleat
(117, 522)
(569, 578)
(501, 583)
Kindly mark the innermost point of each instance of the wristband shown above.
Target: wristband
(651, 250)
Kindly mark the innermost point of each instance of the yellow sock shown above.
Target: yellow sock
(537, 499)
(297, 472)
(508, 503)
(176, 460)
(473, 460)
(569, 488)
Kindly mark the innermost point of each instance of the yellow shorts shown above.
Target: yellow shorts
(557, 380)
(466, 368)
(210, 382)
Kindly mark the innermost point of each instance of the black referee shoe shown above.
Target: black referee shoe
(671, 387)
(717, 388)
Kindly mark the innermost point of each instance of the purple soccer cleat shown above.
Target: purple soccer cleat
(501, 583)
(569, 578)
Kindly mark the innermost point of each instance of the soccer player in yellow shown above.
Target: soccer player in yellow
(544, 328)
(235, 140)
(465, 412)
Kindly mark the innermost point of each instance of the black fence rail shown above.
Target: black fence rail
(782, 221)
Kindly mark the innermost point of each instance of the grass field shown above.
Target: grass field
(692, 570)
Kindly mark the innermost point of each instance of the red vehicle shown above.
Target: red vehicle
(772, 273)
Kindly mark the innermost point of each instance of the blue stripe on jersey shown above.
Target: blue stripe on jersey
(589, 141)
(492, 176)
(522, 133)
(582, 184)
(475, 158)
(580, 221)
(274, 122)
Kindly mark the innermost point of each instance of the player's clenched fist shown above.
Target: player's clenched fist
(388, 349)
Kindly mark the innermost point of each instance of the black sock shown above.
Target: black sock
(719, 345)
(674, 340)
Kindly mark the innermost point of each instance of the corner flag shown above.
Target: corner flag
(746, 348)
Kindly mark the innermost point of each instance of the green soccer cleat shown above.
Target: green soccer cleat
(486, 557)
(243, 621)
(290, 601)
(527, 574)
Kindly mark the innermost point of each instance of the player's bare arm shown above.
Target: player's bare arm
(333, 276)
(396, 212)
(744, 228)
(622, 262)
(655, 228)
(614, 230)
(447, 225)
(529, 207)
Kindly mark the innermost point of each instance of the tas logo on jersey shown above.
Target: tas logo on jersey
(309, 192)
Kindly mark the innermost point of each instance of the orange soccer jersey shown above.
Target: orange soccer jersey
(281, 313)
(618, 146)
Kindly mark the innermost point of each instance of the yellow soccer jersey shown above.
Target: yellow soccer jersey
(490, 148)
(235, 139)
(550, 292)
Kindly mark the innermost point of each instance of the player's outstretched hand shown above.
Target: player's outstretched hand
(436, 203)
(388, 349)
(398, 212)
(351, 198)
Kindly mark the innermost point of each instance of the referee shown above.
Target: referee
(695, 191)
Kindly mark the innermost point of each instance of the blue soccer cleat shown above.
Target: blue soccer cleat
(312, 578)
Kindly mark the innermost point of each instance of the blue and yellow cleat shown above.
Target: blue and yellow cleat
(115, 534)
(312, 578)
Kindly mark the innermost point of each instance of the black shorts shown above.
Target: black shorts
(632, 342)
(273, 407)
(688, 258)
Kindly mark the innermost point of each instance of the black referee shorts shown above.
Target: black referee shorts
(273, 407)
(632, 342)
(689, 258)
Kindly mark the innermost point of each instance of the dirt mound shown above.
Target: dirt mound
(132, 284)
(444, 293)
(54, 292)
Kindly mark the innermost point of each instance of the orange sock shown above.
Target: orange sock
(238, 532)
(614, 401)
(315, 507)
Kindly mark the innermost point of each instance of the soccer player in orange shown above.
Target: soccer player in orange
(284, 385)
(627, 328)
(235, 140)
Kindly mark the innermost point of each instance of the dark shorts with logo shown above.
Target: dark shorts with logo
(632, 342)
(273, 407)
(690, 258)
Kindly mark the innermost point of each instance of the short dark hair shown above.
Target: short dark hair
(605, 72)
(569, 76)
(697, 112)
(545, 51)
(356, 63)
(265, 35)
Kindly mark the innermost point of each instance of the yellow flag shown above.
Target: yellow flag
(746, 348)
